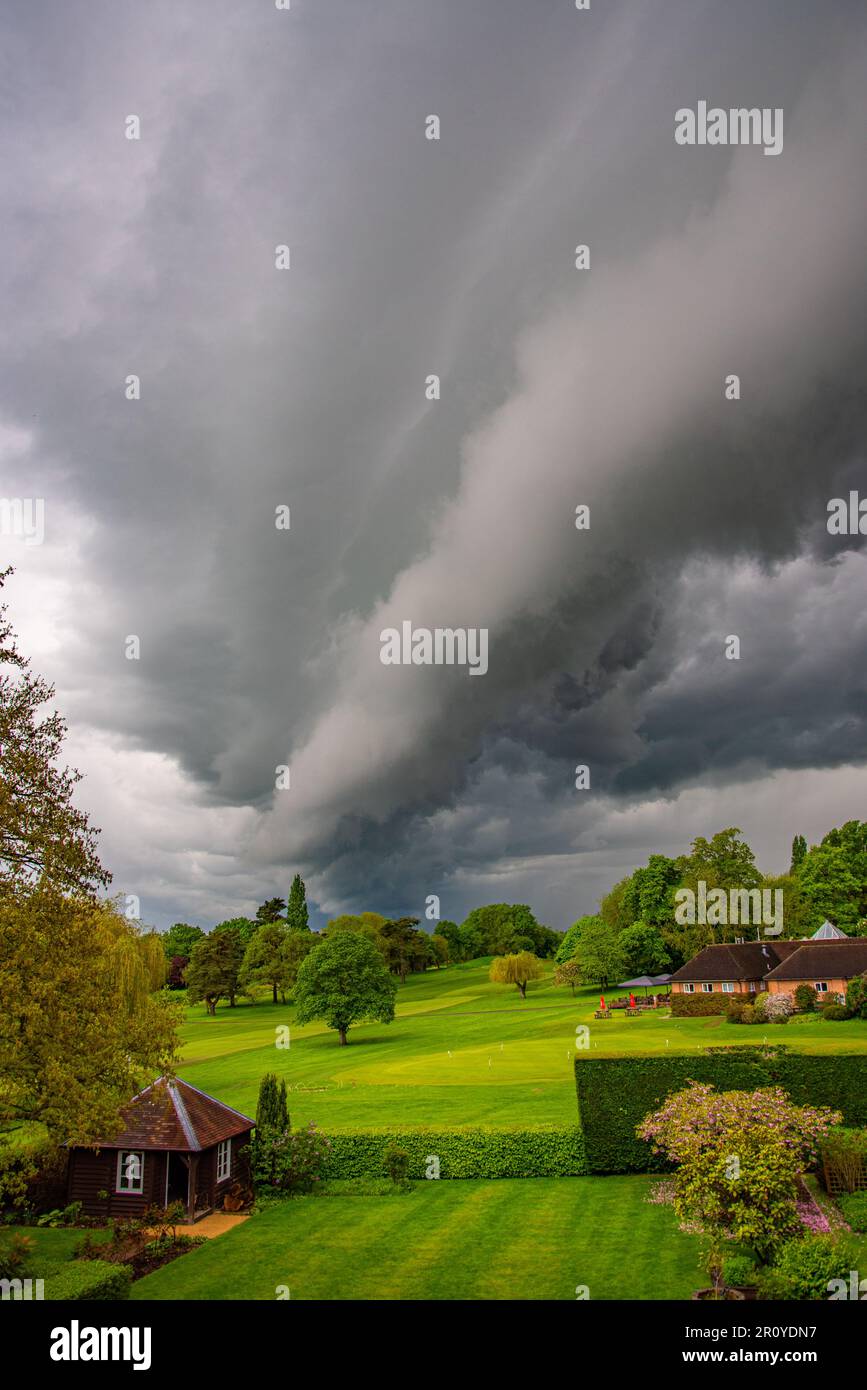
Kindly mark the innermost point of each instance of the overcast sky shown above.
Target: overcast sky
(305, 388)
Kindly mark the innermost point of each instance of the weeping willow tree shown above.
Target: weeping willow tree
(518, 969)
(84, 1022)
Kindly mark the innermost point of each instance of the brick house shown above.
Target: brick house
(751, 967)
(176, 1144)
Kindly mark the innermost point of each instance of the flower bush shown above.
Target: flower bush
(739, 1157)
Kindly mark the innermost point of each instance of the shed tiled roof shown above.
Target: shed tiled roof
(817, 960)
(748, 960)
(172, 1114)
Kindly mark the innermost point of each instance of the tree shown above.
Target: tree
(43, 837)
(644, 950)
(739, 1156)
(566, 949)
(264, 961)
(649, 894)
(799, 849)
(402, 948)
(175, 976)
(271, 1108)
(516, 970)
(84, 1022)
(440, 948)
(470, 941)
(451, 933)
(296, 911)
(243, 927)
(569, 973)
(833, 877)
(598, 954)
(270, 910)
(344, 981)
(214, 968)
(180, 939)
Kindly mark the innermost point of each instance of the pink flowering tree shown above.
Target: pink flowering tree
(739, 1156)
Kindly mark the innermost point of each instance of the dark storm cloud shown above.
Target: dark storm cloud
(307, 388)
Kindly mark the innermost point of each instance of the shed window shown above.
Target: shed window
(708, 989)
(130, 1171)
(224, 1160)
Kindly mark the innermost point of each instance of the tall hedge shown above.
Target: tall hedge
(615, 1093)
(548, 1151)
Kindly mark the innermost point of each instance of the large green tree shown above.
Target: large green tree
(214, 969)
(644, 950)
(832, 877)
(180, 939)
(599, 955)
(344, 981)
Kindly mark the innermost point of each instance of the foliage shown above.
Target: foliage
(833, 876)
(599, 954)
(500, 929)
(215, 967)
(856, 997)
(296, 909)
(89, 1280)
(615, 1093)
(799, 849)
(290, 1161)
(45, 841)
(403, 947)
(470, 1152)
(344, 981)
(706, 1005)
(16, 1255)
(569, 973)
(175, 979)
(854, 1208)
(739, 1271)
(739, 1155)
(804, 1268)
(568, 945)
(271, 1109)
(270, 911)
(180, 939)
(265, 960)
(644, 950)
(834, 1013)
(805, 999)
(516, 970)
(97, 973)
(396, 1162)
(775, 1008)
(649, 894)
(440, 948)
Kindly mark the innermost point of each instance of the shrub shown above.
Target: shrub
(748, 1014)
(777, 1008)
(702, 1005)
(739, 1271)
(835, 1013)
(804, 1268)
(615, 1093)
(856, 997)
(16, 1254)
(548, 1151)
(67, 1216)
(854, 1208)
(292, 1161)
(397, 1164)
(760, 1004)
(805, 999)
(89, 1280)
(32, 1170)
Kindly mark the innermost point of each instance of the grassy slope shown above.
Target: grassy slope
(534, 1238)
(510, 1063)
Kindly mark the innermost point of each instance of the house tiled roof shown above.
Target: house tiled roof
(748, 960)
(817, 960)
(172, 1114)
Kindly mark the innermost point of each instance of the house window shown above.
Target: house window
(689, 989)
(130, 1171)
(224, 1160)
(728, 987)
(708, 989)
(821, 986)
(752, 986)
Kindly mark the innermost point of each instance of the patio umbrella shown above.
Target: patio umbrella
(642, 980)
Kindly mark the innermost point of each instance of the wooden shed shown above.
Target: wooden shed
(177, 1144)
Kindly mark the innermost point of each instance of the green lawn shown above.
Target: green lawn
(51, 1249)
(511, 1061)
(535, 1238)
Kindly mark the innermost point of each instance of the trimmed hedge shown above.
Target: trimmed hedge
(89, 1280)
(549, 1151)
(701, 1005)
(616, 1093)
